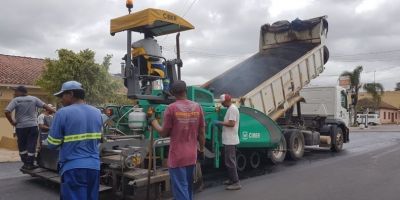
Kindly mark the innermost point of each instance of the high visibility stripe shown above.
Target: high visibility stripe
(23, 152)
(53, 141)
(83, 136)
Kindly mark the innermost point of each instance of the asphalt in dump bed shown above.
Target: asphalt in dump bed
(244, 77)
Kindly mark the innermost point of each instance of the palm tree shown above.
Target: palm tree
(397, 87)
(355, 78)
(376, 90)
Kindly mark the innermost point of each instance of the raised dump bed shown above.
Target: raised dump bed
(289, 57)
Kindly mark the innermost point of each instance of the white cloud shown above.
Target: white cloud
(279, 6)
(368, 5)
(226, 32)
(73, 38)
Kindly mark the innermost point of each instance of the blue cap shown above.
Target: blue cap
(69, 85)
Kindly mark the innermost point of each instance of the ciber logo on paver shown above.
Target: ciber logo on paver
(169, 17)
(246, 135)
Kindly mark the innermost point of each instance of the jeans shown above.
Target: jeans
(230, 162)
(182, 182)
(80, 184)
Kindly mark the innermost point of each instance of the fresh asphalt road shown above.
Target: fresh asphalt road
(368, 168)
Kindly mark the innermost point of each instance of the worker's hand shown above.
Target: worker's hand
(150, 119)
(13, 123)
(44, 142)
(200, 155)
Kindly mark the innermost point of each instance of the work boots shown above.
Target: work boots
(28, 163)
(234, 186)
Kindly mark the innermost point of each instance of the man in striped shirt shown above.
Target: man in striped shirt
(76, 129)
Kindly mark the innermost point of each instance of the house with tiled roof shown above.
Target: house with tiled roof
(388, 113)
(15, 71)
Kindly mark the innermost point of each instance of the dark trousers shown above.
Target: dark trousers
(182, 182)
(27, 140)
(230, 162)
(80, 184)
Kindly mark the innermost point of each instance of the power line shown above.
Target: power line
(186, 12)
(380, 70)
(367, 53)
(190, 7)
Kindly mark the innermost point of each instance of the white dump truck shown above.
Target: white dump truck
(273, 82)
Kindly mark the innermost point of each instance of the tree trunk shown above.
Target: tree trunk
(355, 106)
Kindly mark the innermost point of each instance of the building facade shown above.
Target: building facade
(388, 114)
(15, 71)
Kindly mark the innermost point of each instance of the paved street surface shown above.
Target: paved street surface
(368, 168)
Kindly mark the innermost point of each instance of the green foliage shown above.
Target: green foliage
(355, 77)
(397, 88)
(355, 85)
(376, 90)
(82, 67)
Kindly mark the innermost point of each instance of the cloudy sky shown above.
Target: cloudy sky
(361, 32)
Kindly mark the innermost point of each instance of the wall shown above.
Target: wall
(390, 97)
(386, 116)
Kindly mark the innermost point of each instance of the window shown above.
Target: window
(203, 97)
(343, 99)
(388, 115)
(384, 115)
(396, 115)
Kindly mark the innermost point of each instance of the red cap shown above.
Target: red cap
(226, 97)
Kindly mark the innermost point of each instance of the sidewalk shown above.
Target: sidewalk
(8, 156)
(378, 128)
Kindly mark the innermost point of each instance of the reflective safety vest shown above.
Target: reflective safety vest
(74, 138)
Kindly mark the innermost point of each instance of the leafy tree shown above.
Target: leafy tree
(355, 85)
(397, 87)
(81, 67)
(376, 90)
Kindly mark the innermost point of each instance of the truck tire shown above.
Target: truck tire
(255, 159)
(295, 145)
(278, 154)
(241, 161)
(326, 54)
(337, 146)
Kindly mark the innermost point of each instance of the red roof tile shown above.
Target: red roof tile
(17, 70)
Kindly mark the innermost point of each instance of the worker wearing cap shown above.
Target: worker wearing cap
(230, 138)
(76, 129)
(184, 124)
(151, 51)
(45, 120)
(25, 123)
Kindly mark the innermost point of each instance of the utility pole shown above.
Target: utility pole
(374, 76)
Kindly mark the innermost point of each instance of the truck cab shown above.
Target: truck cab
(329, 101)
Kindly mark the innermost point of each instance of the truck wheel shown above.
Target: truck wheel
(255, 160)
(241, 161)
(278, 154)
(338, 146)
(326, 54)
(295, 143)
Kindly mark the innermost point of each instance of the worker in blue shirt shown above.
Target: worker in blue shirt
(76, 129)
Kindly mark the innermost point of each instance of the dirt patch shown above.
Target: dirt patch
(9, 155)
